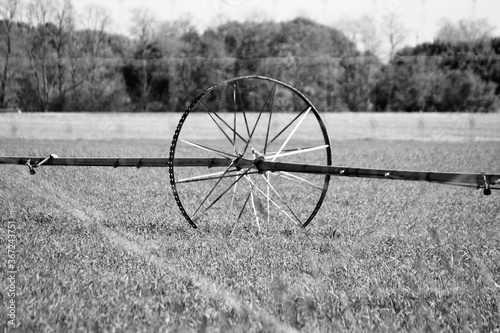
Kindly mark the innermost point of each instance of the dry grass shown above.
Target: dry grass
(106, 250)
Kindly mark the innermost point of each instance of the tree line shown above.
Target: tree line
(54, 60)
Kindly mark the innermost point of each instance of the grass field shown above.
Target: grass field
(103, 249)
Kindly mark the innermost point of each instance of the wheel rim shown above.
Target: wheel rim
(252, 118)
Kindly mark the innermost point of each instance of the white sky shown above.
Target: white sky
(421, 17)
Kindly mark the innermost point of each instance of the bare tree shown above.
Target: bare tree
(369, 36)
(363, 32)
(357, 73)
(395, 32)
(9, 12)
(464, 31)
(38, 48)
(171, 32)
(87, 60)
(46, 42)
(64, 22)
(144, 30)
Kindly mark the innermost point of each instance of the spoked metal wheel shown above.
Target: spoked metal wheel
(222, 136)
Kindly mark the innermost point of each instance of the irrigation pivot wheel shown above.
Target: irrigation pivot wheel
(237, 125)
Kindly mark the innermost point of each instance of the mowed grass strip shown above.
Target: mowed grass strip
(442, 127)
(106, 249)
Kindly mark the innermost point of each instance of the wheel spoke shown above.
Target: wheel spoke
(222, 130)
(202, 177)
(235, 111)
(223, 193)
(293, 177)
(243, 208)
(268, 197)
(284, 202)
(235, 134)
(237, 87)
(296, 151)
(288, 150)
(258, 119)
(234, 194)
(270, 116)
(211, 176)
(254, 209)
(212, 150)
(286, 127)
(274, 203)
(292, 133)
(211, 191)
